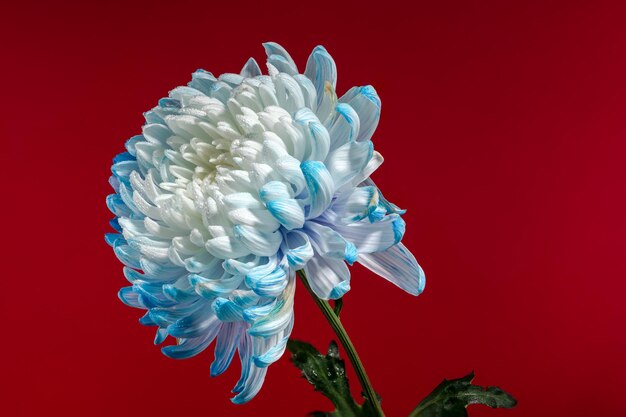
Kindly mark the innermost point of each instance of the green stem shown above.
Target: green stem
(341, 333)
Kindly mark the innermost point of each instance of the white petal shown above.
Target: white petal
(280, 58)
(258, 242)
(260, 219)
(329, 278)
(366, 103)
(225, 247)
(320, 185)
(373, 237)
(250, 69)
(321, 69)
(397, 265)
(344, 126)
(348, 161)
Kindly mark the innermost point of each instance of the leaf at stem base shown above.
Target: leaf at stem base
(327, 374)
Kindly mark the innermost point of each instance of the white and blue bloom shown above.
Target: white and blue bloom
(235, 183)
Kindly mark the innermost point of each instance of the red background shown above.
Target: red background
(503, 130)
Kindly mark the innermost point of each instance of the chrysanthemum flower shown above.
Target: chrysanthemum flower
(235, 183)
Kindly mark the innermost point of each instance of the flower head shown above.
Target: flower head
(235, 183)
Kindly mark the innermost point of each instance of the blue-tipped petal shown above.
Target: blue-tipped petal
(251, 386)
(130, 297)
(179, 295)
(115, 224)
(226, 310)
(351, 253)
(280, 317)
(275, 190)
(227, 341)
(267, 285)
(355, 204)
(130, 144)
(146, 320)
(160, 336)
(321, 69)
(280, 58)
(160, 271)
(250, 69)
(347, 161)
(320, 143)
(127, 255)
(203, 81)
(111, 238)
(195, 325)
(288, 213)
(345, 126)
(272, 355)
(186, 348)
(327, 241)
(373, 237)
(151, 294)
(320, 185)
(258, 242)
(329, 277)
(366, 103)
(116, 206)
(124, 156)
(298, 249)
(245, 350)
(398, 266)
(123, 168)
(211, 288)
(254, 313)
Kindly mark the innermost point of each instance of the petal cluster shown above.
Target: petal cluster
(235, 183)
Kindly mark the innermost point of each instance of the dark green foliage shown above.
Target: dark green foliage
(450, 398)
(327, 374)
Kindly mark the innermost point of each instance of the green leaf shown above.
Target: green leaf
(327, 374)
(450, 398)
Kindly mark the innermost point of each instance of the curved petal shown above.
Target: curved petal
(245, 350)
(252, 384)
(279, 318)
(321, 69)
(355, 205)
(277, 197)
(287, 212)
(258, 242)
(195, 325)
(269, 350)
(297, 249)
(319, 144)
(226, 310)
(373, 237)
(188, 347)
(280, 58)
(347, 161)
(329, 278)
(398, 266)
(329, 243)
(366, 103)
(272, 354)
(225, 247)
(269, 284)
(250, 69)
(227, 341)
(345, 126)
(320, 185)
